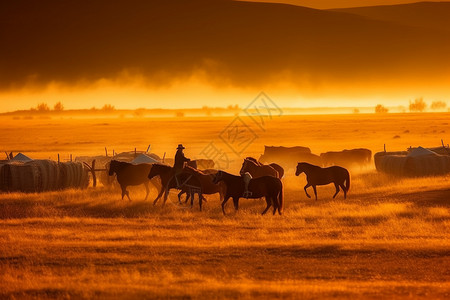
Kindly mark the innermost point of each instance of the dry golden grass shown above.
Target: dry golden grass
(389, 239)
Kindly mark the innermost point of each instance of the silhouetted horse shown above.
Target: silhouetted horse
(189, 184)
(256, 169)
(267, 186)
(206, 181)
(277, 167)
(129, 174)
(316, 175)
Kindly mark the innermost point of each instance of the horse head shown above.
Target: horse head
(300, 169)
(218, 177)
(245, 166)
(156, 170)
(113, 167)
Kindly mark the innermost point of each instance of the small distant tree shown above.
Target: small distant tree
(42, 107)
(417, 106)
(356, 111)
(438, 105)
(58, 107)
(179, 114)
(380, 109)
(108, 107)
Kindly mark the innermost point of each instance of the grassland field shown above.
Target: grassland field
(389, 239)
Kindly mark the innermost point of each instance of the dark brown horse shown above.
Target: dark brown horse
(316, 175)
(277, 167)
(269, 187)
(130, 174)
(206, 180)
(188, 184)
(257, 170)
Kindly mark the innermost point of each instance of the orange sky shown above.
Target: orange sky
(216, 53)
(327, 4)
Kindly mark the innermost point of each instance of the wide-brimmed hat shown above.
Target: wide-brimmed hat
(180, 146)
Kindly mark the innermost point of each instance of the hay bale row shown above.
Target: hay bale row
(73, 175)
(403, 165)
(41, 176)
(20, 177)
(378, 158)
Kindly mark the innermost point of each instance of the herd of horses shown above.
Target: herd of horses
(265, 182)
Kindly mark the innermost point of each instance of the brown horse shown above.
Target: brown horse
(129, 174)
(277, 167)
(189, 184)
(257, 170)
(269, 187)
(206, 181)
(316, 175)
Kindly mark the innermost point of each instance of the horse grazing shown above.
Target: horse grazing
(166, 174)
(277, 167)
(316, 175)
(129, 174)
(269, 187)
(206, 181)
(257, 170)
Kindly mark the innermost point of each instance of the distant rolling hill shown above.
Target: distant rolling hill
(434, 15)
(239, 43)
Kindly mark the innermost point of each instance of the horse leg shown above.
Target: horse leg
(274, 204)
(166, 195)
(268, 202)
(188, 196)
(124, 191)
(344, 189)
(315, 191)
(159, 195)
(337, 189)
(223, 204)
(307, 186)
(200, 200)
(236, 203)
(179, 197)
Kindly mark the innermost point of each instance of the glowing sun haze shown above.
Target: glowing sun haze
(181, 54)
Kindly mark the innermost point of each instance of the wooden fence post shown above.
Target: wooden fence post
(94, 177)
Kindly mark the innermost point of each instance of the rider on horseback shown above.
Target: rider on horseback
(180, 159)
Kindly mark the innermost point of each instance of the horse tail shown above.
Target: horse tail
(280, 199)
(347, 181)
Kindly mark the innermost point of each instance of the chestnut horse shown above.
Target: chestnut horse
(277, 167)
(189, 184)
(267, 186)
(206, 180)
(257, 170)
(130, 174)
(316, 175)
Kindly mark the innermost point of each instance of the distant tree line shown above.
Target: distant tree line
(418, 105)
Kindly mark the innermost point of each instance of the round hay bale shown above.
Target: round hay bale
(3, 177)
(49, 172)
(22, 177)
(378, 157)
(392, 164)
(427, 165)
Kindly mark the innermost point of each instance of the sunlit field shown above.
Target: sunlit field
(388, 239)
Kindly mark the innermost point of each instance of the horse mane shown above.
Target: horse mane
(310, 165)
(197, 171)
(120, 164)
(253, 160)
(161, 165)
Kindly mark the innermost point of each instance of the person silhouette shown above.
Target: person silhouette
(179, 162)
